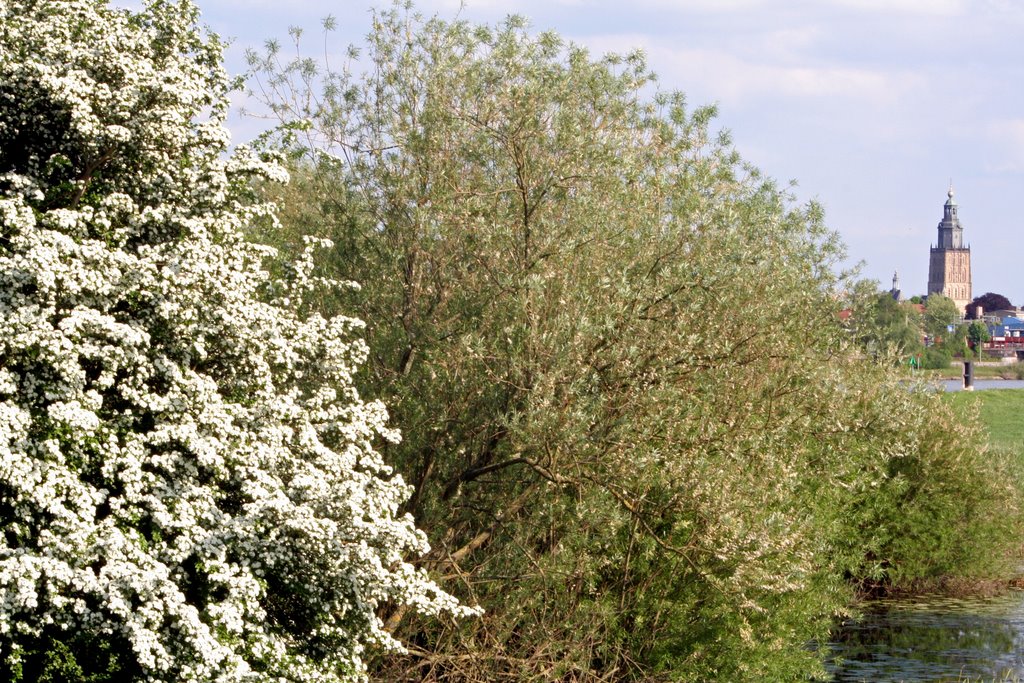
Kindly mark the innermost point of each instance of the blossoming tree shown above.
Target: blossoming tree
(188, 481)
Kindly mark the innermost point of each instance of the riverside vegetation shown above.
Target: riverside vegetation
(636, 434)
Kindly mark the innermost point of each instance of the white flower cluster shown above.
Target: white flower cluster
(186, 468)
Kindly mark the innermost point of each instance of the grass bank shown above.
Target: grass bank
(1000, 411)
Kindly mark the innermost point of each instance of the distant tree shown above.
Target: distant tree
(939, 313)
(977, 334)
(916, 299)
(883, 327)
(989, 301)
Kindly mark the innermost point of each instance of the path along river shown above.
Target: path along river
(935, 638)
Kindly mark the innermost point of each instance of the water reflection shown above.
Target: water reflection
(933, 639)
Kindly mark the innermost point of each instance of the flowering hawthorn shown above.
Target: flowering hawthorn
(187, 474)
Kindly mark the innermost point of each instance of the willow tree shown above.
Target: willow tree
(189, 484)
(635, 433)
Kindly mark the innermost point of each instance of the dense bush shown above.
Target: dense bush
(936, 358)
(638, 434)
(188, 482)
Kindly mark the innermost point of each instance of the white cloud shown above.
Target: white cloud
(449, 8)
(921, 7)
(731, 78)
(692, 6)
(1007, 136)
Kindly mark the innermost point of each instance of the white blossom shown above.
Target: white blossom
(188, 469)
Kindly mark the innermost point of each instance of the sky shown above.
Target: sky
(872, 106)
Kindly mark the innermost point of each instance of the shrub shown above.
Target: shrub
(188, 477)
(639, 436)
(936, 358)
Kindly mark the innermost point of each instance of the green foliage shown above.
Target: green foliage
(887, 330)
(936, 358)
(638, 435)
(945, 503)
(78, 658)
(977, 334)
(939, 313)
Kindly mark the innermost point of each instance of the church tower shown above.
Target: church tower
(949, 271)
(895, 291)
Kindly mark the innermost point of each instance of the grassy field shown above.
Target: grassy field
(1002, 412)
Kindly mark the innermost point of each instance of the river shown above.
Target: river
(980, 384)
(933, 639)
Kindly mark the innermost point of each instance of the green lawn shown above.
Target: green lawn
(1002, 411)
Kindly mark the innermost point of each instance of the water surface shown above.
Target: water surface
(933, 639)
(980, 384)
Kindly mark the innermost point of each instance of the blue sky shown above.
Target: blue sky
(872, 106)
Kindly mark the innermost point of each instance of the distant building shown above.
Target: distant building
(895, 291)
(1007, 333)
(1006, 313)
(949, 271)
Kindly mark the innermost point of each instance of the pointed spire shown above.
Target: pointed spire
(950, 230)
